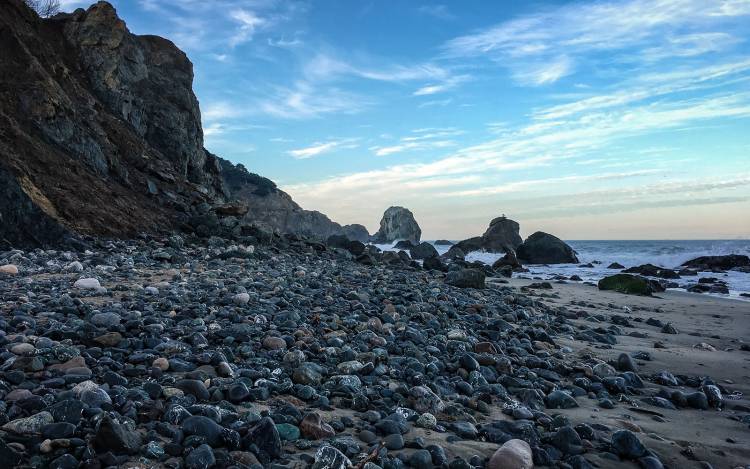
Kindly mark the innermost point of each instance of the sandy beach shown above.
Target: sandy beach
(685, 437)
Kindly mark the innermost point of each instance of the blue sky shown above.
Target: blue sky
(590, 120)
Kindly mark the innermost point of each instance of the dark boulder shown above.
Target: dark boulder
(117, 437)
(626, 283)
(423, 250)
(342, 242)
(466, 278)
(434, 263)
(501, 236)
(508, 260)
(398, 223)
(651, 270)
(404, 244)
(266, 438)
(443, 242)
(544, 248)
(454, 253)
(356, 232)
(727, 262)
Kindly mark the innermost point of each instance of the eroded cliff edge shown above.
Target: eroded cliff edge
(100, 134)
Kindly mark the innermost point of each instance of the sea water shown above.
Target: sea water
(668, 254)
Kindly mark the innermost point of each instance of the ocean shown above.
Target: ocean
(669, 254)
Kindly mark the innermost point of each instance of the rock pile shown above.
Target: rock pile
(201, 354)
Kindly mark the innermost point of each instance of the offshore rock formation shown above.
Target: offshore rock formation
(544, 248)
(398, 223)
(501, 236)
(100, 134)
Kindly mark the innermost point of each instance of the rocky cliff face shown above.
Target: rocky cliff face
(100, 134)
(100, 130)
(272, 209)
(398, 223)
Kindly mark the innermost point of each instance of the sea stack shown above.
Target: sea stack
(501, 236)
(398, 223)
(544, 248)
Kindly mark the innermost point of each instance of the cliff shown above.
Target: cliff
(272, 209)
(100, 134)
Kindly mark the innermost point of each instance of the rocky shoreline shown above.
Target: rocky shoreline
(285, 352)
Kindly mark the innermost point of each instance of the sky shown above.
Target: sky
(625, 119)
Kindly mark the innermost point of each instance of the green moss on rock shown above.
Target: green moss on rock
(626, 283)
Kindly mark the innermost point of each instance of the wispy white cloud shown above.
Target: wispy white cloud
(285, 43)
(420, 139)
(437, 11)
(304, 101)
(445, 85)
(248, 21)
(650, 85)
(544, 72)
(516, 186)
(325, 66)
(533, 45)
(320, 148)
(436, 102)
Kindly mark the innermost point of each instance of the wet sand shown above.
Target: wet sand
(686, 436)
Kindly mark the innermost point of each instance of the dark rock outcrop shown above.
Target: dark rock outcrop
(627, 283)
(356, 232)
(100, 128)
(544, 248)
(731, 261)
(423, 250)
(404, 244)
(651, 270)
(398, 223)
(272, 209)
(501, 236)
(100, 134)
(508, 260)
(466, 278)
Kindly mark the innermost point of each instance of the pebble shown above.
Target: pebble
(513, 454)
(29, 425)
(87, 284)
(9, 269)
(313, 427)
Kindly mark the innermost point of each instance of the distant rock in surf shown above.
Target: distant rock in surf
(443, 242)
(731, 261)
(651, 270)
(423, 250)
(501, 236)
(404, 244)
(544, 248)
(398, 223)
(356, 232)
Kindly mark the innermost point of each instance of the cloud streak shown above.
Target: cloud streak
(320, 148)
(543, 47)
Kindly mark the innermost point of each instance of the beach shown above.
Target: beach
(289, 352)
(685, 436)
